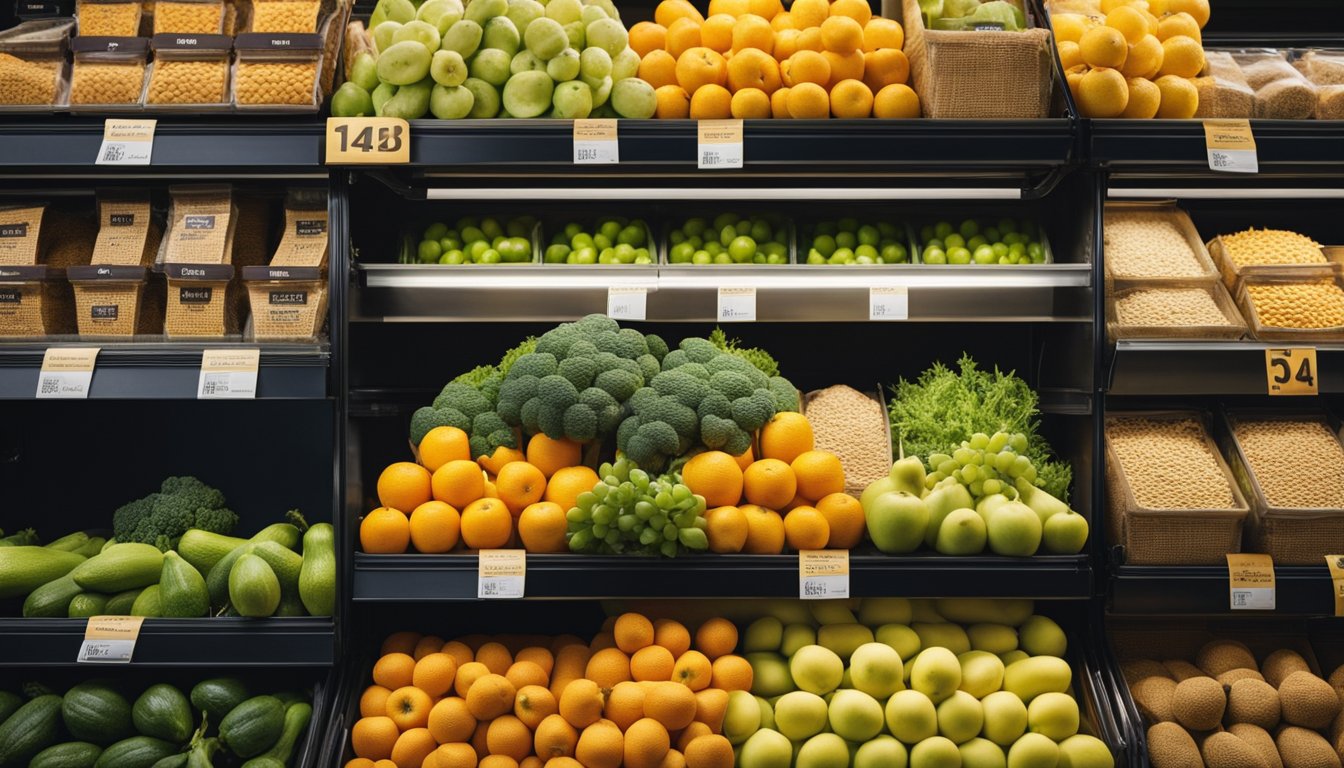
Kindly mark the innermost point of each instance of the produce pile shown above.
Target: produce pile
(172, 556)
(729, 239)
(849, 241)
(102, 724)
(1225, 709)
(1267, 445)
(1006, 241)
(869, 684)
(475, 241)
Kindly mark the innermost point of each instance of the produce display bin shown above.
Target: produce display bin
(1234, 328)
(1182, 222)
(1234, 275)
(1283, 277)
(35, 301)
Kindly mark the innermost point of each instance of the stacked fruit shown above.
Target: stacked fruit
(982, 242)
(611, 241)
(847, 241)
(729, 239)
(1132, 58)
(753, 59)
(563, 58)
(633, 696)
(476, 241)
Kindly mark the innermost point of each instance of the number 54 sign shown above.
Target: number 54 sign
(1291, 371)
(364, 140)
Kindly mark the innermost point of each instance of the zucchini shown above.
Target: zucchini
(290, 605)
(51, 600)
(147, 603)
(70, 542)
(34, 727)
(203, 548)
(73, 754)
(217, 697)
(297, 717)
(284, 534)
(253, 588)
(120, 567)
(286, 563)
(121, 603)
(87, 604)
(95, 711)
(182, 592)
(264, 762)
(163, 712)
(108, 544)
(317, 577)
(217, 581)
(136, 752)
(9, 704)
(254, 726)
(94, 545)
(25, 568)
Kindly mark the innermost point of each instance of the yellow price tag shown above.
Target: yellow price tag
(823, 574)
(501, 573)
(368, 140)
(1292, 371)
(1336, 565)
(1231, 146)
(110, 639)
(1251, 582)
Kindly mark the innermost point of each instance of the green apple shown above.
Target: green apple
(1005, 718)
(844, 639)
(607, 5)
(876, 670)
(564, 11)
(486, 98)
(942, 501)
(633, 98)
(763, 634)
(936, 673)
(876, 611)
(594, 64)
(364, 71)
(1041, 636)
(421, 32)
(765, 748)
(796, 636)
(441, 13)
(351, 101)
(381, 95)
(881, 751)
(1065, 534)
(448, 68)
(943, 634)
(742, 717)
(936, 752)
(977, 610)
(624, 64)
(565, 66)
(500, 34)
(903, 639)
(491, 65)
(400, 11)
(450, 102)
(546, 38)
(528, 94)
(609, 35)
(383, 34)
(981, 753)
(1054, 715)
(854, 715)
(770, 674)
(825, 750)
(1033, 751)
(572, 101)
(592, 13)
(481, 11)
(961, 532)
(831, 612)
(875, 489)
(897, 522)
(463, 37)
(523, 12)
(960, 717)
(601, 92)
(1032, 677)
(995, 638)
(911, 717)
(981, 673)
(574, 31)
(767, 712)
(1014, 656)
(816, 669)
(908, 473)
(1082, 751)
(1014, 530)
(404, 63)
(524, 61)
(800, 715)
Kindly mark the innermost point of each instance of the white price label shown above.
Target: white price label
(501, 574)
(1251, 582)
(719, 144)
(823, 574)
(888, 303)
(627, 303)
(109, 639)
(66, 373)
(595, 142)
(1231, 146)
(228, 374)
(736, 305)
(106, 651)
(127, 142)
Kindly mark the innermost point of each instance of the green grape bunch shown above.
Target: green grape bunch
(985, 464)
(630, 512)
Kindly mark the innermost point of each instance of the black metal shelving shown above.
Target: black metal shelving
(1207, 368)
(1304, 590)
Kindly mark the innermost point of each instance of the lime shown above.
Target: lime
(571, 229)
(491, 228)
(702, 257)
(436, 231)
(489, 256)
(695, 227)
(477, 248)
(865, 252)
(824, 244)
(895, 254)
(602, 241)
(631, 235)
(956, 241)
(935, 256)
(969, 228)
(722, 258)
(556, 254)
(815, 257)
(429, 251)
(958, 256)
(727, 233)
(942, 229)
(472, 234)
(760, 230)
(680, 253)
(741, 249)
(847, 224)
(585, 255)
(581, 240)
(984, 255)
(869, 235)
(725, 220)
(676, 236)
(773, 248)
(453, 257)
(846, 239)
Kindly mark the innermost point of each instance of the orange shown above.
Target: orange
(714, 475)
(810, 40)
(360, 762)
(542, 527)
(581, 703)
(786, 43)
(841, 34)
(490, 696)
(427, 645)
(658, 69)
(844, 519)
(486, 524)
(700, 66)
(710, 706)
(384, 531)
(403, 485)
(752, 31)
(478, 740)
(533, 704)
(520, 483)
(555, 738)
(495, 761)
(652, 663)
(882, 33)
(771, 483)
(712, 751)
(508, 736)
(696, 728)
(458, 483)
(804, 67)
(441, 445)
(386, 764)
(434, 674)
(454, 755)
(600, 641)
(537, 655)
(409, 707)
(730, 7)
(716, 637)
(692, 670)
(373, 701)
(669, 11)
(896, 101)
(672, 635)
(412, 747)
(766, 9)
(467, 675)
(683, 35)
(711, 102)
(601, 745)
(732, 673)
(779, 109)
(806, 528)
(496, 461)
(632, 632)
(780, 22)
(625, 704)
(646, 744)
(608, 667)
(726, 528)
(566, 485)
(673, 102)
(717, 32)
(884, 67)
(809, 13)
(671, 704)
(765, 531)
(450, 720)
(525, 673)
(551, 456)
(797, 501)
(374, 737)
(459, 651)
(1103, 47)
(570, 663)
(434, 527)
(819, 473)
(400, 642)
(394, 670)
(846, 66)
(495, 656)
(788, 433)
(752, 68)
(858, 10)
(648, 36)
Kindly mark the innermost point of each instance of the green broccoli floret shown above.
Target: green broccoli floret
(464, 399)
(732, 384)
(515, 391)
(728, 362)
(723, 434)
(738, 444)
(488, 422)
(648, 366)
(530, 416)
(604, 406)
(556, 341)
(555, 394)
(181, 504)
(634, 341)
(715, 404)
(526, 347)
(674, 359)
(597, 323)
(129, 515)
(642, 399)
(661, 436)
(619, 383)
(579, 370)
(698, 350)
(680, 417)
(537, 364)
(786, 395)
(752, 412)
(629, 425)
(657, 347)
(427, 418)
(580, 423)
(581, 348)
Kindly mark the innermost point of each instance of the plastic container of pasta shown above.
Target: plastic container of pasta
(189, 17)
(1261, 328)
(189, 73)
(108, 18)
(33, 71)
(277, 72)
(108, 73)
(291, 16)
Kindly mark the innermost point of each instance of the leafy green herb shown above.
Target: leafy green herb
(758, 357)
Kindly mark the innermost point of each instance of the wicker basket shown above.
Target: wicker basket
(203, 301)
(35, 301)
(985, 75)
(286, 302)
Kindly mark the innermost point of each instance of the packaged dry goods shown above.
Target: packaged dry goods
(108, 18)
(1254, 250)
(285, 15)
(201, 225)
(108, 71)
(1280, 306)
(1325, 69)
(32, 64)
(21, 234)
(1281, 92)
(1223, 89)
(1153, 241)
(305, 242)
(853, 426)
(196, 260)
(1172, 310)
(288, 299)
(116, 295)
(190, 71)
(35, 298)
(1171, 499)
(277, 70)
(194, 17)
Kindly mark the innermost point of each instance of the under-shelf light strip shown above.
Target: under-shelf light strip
(1228, 193)
(728, 193)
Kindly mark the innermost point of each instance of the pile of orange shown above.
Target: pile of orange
(638, 695)
(753, 59)
(445, 499)
(792, 496)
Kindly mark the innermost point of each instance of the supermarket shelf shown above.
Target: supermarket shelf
(1207, 368)
(1135, 589)
(168, 370)
(1294, 147)
(453, 577)
(200, 643)
(397, 292)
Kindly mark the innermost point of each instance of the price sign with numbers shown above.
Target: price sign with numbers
(127, 142)
(1292, 371)
(823, 574)
(501, 574)
(888, 303)
(736, 305)
(1336, 565)
(363, 140)
(228, 374)
(1251, 582)
(627, 303)
(66, 373)
(110, 639)
(595, 142)
(1231, 146)
(719, 145)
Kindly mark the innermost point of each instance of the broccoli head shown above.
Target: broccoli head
(619, 383)
(724, 435)
(698, 350)
(732, 384)
(579, 370)
(581, 348)
(181, 504)
(715, 404)
(515, 391)
(648, 366)
(687, 389)
(580, 423)
(463, 398)
(674, 359)
(427, 418)
(786, 395)
(752, 412)
(657, 347)
(537, 364)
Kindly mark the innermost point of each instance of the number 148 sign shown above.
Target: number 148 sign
(380, 140)
(1292, 371)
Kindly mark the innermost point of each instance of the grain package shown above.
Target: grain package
(1291, 468)
(190, 73)
(1153, 242)
(1254, 251)
(116, 295)
(1170, 498)
(1281, 92)
(1167, 310)
(201, 223)
(108, 18)
(32, 65)
(855, 427)
(21, 234)
(35, 298)
(276, 16)
(1325, 69)
(277, 71)
(193, 17)
(1223, 89)
(306, 238)
(197, 261)
(108, 73)
(1293, 305)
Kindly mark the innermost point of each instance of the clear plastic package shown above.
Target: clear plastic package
(32, 65)
(108, 73)
(108, 18)
(277, 71)
(292, 16)
(1223, 90)
(1281, 92)
(189, 72)
(189, 17)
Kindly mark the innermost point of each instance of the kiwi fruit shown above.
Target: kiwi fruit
(1233, 675)
(1198, 703)
(1254, 702)
(1282, 663)
(1171, 746)
(1336, 679)
(1307, 700)
(1179, 670)
(1223, 750)
(1259, 739)
(1153, 696)
(1303, 748)
(1219, 656)
(1138, 669)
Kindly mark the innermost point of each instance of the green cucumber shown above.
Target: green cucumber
(317, 578)
(73, 754)
(9, 704)
(264, 762)
(286, 564)
(297, 716)
(148, 603)
(163, 712)
(217, 581)
(253, 587)
(121, 603)
(70, 542)
(254, 726)
(95, 711)
(120, 567)
(94, 545)
(25, 568)
(204, 548)
(283, 534)
(218, 696)
(87, 604)
(136, 752)
(51, 600)
(34, 727)
(182, 592)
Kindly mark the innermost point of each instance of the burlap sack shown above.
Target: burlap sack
(985, 75)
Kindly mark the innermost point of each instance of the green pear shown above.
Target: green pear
(500, 34)
(995, 638)
(960, 717)
(769, 674)
(1065, 534)
(897, 522)
(1082, 751)
(767, 713)
(1014, 529)
(854, 715)
(1041, 636)
(443, 14)
(981, 673)
(986, 506)
(911, 717)
(410, 102)
(876, 611)
(882, 751)
(1032, 677)
(960, 532)
(463, 37)
(796, 636)
(481, 11)
(982, 753)
(908, 474)
(1013, 656)
(942, 501)
(876, 670)
(400, 11)
(1005, 718)
(450, 102)
(816, 669)
(825, 750)
(937, 752)
(800, 715)
(903, 639)
(763, 634)
(942, 634)
(844, 639)
(1033, 751)
(1045, 505)
(741, 718)
(936, 673)
(486, 98)
(351, 101)
(364, 71)
(766, 749)
(1054, 715)
(421, 32)
(523, 12)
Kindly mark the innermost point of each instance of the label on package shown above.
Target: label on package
(627, 303)
(304, 243)
(363, 140)
(1251, 582)
(501, 574)
(127, 142)
(595, 142)
(66, 373)
(109, 639)
(124, 226)
(736, 305)
(228, 374)
(1292, 371)
(1231, 146)
(719, 144)
(19, 232)
(892, 303)
(823, 574)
